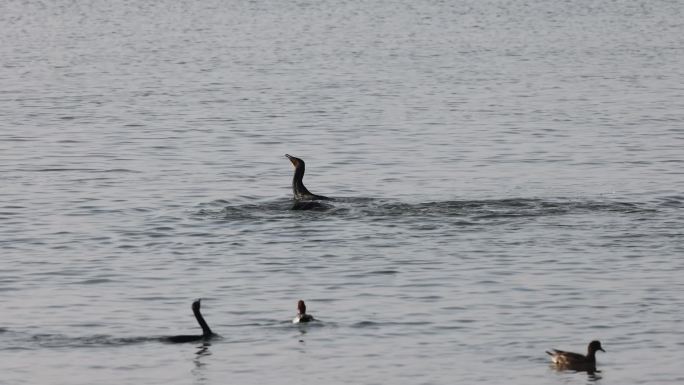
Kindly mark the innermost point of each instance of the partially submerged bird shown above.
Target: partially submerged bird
(574, 361)
(298, 188)
(206, 331)
(301, 315)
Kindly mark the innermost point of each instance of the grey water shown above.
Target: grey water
(507, 174)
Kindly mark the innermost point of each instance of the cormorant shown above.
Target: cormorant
(206, 332)
(301, 192)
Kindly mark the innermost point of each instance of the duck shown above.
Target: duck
(301, 315)
(575, 361)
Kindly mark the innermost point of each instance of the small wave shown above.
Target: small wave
(675, 201)
(21, 341)
(93, 281)
(367, 324)
(91, 341)
(466, 211)
(78, 169)
(384, 272)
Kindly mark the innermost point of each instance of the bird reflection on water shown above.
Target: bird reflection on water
(198, 371)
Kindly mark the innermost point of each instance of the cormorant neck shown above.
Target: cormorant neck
(297, 185)
(206, 331)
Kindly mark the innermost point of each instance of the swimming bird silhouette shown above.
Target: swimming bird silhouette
(206, 331)
(298, 189)
(301, 314)
(574, 361)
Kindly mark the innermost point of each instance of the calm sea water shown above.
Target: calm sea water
(508, 174)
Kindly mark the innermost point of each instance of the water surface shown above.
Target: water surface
(507, 177)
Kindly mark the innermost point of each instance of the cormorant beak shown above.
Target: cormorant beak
(601, 349)
(292, 159)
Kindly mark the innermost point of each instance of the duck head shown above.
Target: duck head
(301, 307)
(595, 346)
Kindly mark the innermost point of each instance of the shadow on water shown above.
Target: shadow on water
(469, 210)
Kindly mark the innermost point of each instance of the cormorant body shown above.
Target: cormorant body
(206, 331)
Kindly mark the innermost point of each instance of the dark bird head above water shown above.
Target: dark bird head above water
(196, 305)
(594, 346)
(298, 189)
(301, 313)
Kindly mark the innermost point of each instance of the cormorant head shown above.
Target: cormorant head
(595, 345)
(301, 306)
(196, 305)
(295, 161)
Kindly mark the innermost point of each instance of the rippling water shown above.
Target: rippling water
(507, 177)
